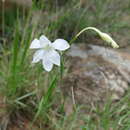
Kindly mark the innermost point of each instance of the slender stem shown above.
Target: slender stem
(85, 29)
(73, 98)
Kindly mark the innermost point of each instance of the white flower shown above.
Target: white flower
(46, 51)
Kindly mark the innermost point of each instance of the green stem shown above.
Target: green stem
(83, 30)
(104, 36)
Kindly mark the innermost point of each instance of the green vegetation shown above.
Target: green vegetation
(29, 90)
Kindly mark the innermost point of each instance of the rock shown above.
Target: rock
(96, 74)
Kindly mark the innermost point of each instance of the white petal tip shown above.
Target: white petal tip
(61, 44)
(47, 65)
(35, 44)
(33, 62)
(58, 64)
(47, 70)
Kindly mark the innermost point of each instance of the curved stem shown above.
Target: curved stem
(87, 28)
(104, 36)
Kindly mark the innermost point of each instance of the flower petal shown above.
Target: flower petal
(61, 44)
(54, 57)
(47, 64)
(44, 41)
(35, 44)
(38, 55)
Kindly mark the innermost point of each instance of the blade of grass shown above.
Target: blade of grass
(12, 82)
(25, 96)
(43, 104)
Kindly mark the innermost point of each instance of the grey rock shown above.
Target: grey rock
(96, 73)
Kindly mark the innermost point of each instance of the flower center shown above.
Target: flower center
(47, 48)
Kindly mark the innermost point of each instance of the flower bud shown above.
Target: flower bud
(108, 39)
